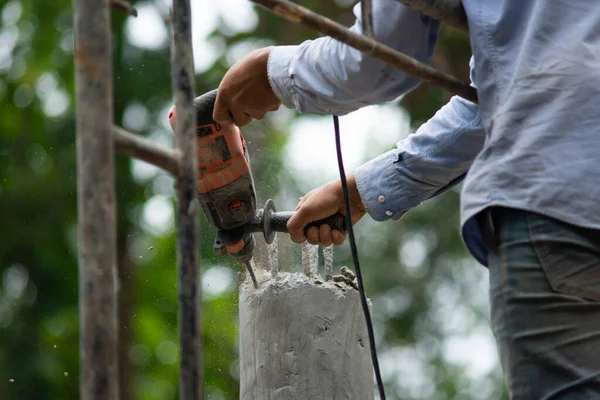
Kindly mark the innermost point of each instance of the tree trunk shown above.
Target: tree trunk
(302, 338)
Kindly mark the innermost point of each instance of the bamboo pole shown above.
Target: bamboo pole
(138, 147)
(182, 70)
(449, 12)
(96, 202)
(297, 14)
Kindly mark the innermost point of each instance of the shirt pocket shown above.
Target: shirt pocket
(569, 255)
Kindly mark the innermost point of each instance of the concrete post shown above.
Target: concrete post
(303, 338)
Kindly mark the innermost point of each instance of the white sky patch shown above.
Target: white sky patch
(56, 103)
(413, 253)
(148, 30)
(408, 372)
(11, 13)
(216, 281)
(476, 351)
(142, 171)
(239, 15)
(244, 47)
(206, 52)
(311, 147)
(157, 215)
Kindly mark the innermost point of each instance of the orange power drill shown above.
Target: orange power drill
(226, 188)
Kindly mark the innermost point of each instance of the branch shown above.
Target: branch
(301, 15)
(449, 12)
(138, 147)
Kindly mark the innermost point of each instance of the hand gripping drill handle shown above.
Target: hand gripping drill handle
(268, 221)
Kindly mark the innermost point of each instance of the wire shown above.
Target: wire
(361, 288)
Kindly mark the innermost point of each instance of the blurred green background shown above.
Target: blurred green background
(429, 297)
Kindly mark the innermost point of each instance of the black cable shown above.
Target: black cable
(361, 288)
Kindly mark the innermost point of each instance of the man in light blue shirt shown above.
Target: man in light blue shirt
(528, 154)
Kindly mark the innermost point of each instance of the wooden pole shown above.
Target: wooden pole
(302, 338)
(96, 201)
(297, 14)
(143, 149)
(182, 70)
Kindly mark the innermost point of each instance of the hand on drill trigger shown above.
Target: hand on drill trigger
(245, 92)
(322, 203)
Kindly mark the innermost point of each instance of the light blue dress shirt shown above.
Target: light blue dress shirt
(533, 143)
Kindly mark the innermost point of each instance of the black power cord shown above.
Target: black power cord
(361, 288)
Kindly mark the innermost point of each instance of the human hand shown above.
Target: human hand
(245, 92)
(322, 203)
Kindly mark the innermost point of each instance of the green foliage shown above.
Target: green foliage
(38, 212)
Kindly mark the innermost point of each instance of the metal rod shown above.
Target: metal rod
(328, 259)
(182, 70)
(125, 7)
(449, 12)
(143, 149)
(251, 273)
(96, 201)
(273, 251)
(301, 15)
(306, 258)
(366, 12)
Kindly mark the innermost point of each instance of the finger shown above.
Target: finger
(221, 113)
(257, 114)
(338, 237)
(241, 118)
(325, 235)
(298, 237)
(312, 236)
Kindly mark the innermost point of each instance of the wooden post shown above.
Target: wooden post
(182, 70)
(96, 202)
(302, 338)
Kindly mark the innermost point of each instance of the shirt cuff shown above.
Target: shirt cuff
(280, 78)
(381, 189)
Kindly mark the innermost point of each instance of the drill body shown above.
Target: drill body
(225, 185)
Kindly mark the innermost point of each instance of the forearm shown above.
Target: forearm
(326, 76)
(423, 165)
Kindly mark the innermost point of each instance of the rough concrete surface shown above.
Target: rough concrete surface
(303, 339)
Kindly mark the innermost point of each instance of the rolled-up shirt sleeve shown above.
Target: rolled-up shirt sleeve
(425, 164)
(328, 77)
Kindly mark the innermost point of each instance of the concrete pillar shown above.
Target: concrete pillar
(303, 338)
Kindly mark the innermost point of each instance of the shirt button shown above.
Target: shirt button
(389, 213)
(381, 198)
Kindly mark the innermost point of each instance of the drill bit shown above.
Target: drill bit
(251, 272)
